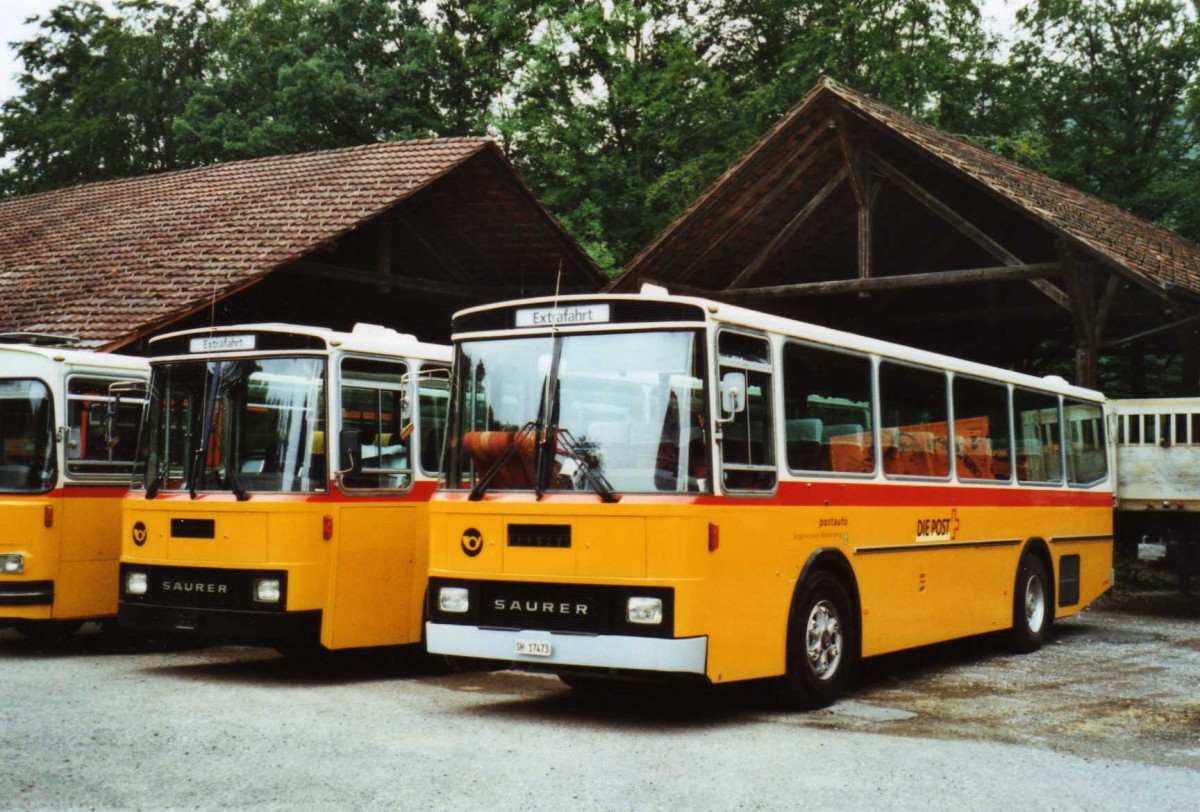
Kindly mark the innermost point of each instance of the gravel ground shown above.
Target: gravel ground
(1107, 716)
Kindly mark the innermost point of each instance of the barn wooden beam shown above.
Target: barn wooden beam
(856, 154)
(1187, 321)
(967, 229)
(906, 281)
(739, 222)
(383, 247)
(341, 273)
(788, 231)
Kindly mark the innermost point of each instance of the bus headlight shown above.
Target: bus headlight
(266, 590)
(453, 599)
(12, 563)
(647, 611)
(136, 583)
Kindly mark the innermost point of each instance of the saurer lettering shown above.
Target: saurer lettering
(194, 586)
(545, 607)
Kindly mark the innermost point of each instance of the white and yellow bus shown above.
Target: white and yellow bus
(63, 472)
(641, 485)
(281, 486)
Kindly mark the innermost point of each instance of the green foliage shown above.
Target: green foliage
(619, 113)
(1113, 87)
(299, 75)
(100, 93)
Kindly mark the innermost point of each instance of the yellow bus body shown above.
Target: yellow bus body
(77, 553)
(363, 586)
(978, 500)
(68, 535)
(738, 596)
(348, 559)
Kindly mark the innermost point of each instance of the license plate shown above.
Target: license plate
(533, 648)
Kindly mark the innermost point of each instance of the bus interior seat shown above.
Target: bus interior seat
(17, 477)
(842, 444)
(804, 444)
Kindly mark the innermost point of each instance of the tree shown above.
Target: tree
(99, 93)
(297, 75)
(1113, 84)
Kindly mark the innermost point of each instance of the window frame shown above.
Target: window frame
(872, 405)
(106, 476)
(768, 368)
(1008, 398)
(405, 388)
(1062, 462)
(879, 429)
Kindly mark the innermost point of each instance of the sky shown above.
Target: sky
(13, 14)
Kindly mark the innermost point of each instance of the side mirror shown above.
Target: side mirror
(733, 394)
(74, 443)
(349, 451)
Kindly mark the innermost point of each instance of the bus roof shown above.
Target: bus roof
(365, 338)
(714, 312)
(38, 355)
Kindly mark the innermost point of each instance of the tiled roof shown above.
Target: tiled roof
(1107, 232)
(1150, 255)
(102, 260)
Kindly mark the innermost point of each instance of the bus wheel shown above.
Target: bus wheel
(1032, 615)
(46, 633)
(820, 647)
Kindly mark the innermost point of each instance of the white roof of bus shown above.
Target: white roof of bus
(365, 338)
(743, 317)
(37, 356)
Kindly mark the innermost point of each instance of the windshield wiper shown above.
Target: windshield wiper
(235, 485)
(154, 484)
(598, 481)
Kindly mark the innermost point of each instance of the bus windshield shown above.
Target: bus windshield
(27, 453)
(242, 425)
(610, 413)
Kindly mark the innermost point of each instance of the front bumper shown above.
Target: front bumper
(687, 655)
(224, 624)
(26, 593)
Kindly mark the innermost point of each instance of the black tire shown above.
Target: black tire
(822, 644)
(1033, 611)
(49, 633)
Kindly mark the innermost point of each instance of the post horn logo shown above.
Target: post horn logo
(472, 542)
(139, 534)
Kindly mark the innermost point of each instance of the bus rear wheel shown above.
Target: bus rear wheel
(820, 646)
(1032, 613)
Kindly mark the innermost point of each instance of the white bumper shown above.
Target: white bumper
(678, 656)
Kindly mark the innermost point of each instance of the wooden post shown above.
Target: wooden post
(1189, 348)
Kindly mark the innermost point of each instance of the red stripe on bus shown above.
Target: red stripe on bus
(420, 492)
(842, 494)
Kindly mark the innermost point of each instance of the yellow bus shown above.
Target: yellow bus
(644, 485)
(281, 486)
(63, 472)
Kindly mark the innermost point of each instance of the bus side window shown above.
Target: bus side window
(827, 408)
(914, 421)
(372, 392)
(1087, 460)
(981, 441)
(87, 411)
(1039, 437)
(433, 396)
(748, 438)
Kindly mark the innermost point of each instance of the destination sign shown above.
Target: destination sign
(562, 316)
(222, 343)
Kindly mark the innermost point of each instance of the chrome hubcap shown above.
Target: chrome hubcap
(823, 641)
(1035, 604)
